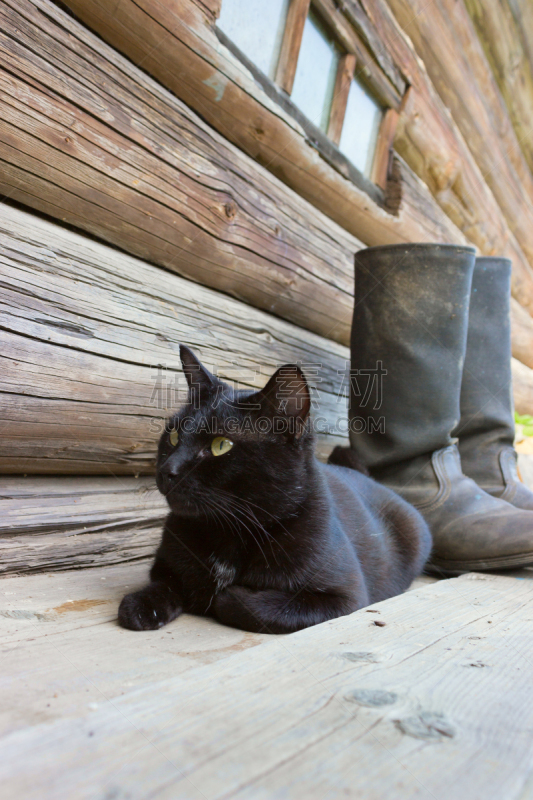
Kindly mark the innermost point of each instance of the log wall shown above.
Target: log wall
(180, 48)
(446, 41)
(96, 143)
(83, 332)
(68, 523)
(89, 139)
(430, 141)
(500, 36)
(248, 226)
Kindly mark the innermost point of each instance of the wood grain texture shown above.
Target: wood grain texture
(502, 43)
(368, 69)
(73, 614)
(523, 13)
(343, 81)
(445, 39)
(173, 43)
(181, 51)
(290, 46)
(387, 132)
(113, 168)
(522, 387)
(521, 334)
(346, 709)
(84, 329)
(432, 144)
(49, 524)
(96, 143)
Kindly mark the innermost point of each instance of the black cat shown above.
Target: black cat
(261, 535)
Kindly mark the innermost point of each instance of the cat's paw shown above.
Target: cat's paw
(148, 609)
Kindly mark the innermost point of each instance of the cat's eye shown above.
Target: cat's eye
(221, 445)
(173, 437)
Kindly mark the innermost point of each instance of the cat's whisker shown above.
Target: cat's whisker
(261, 529)
(230, 511)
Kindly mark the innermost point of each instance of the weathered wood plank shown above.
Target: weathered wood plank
(98, 144)
(290, 46)
(523, 14)
(176, 45)
(446, 41)
(500, 36)
(431, 143)
(525, 466)
(49, 524)
(522, 333)
(113, 169)
(181, 51)
(344, 709)
(73, 614)
(84, 330)
(522, 387)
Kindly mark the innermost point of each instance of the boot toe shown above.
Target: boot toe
(497, 538)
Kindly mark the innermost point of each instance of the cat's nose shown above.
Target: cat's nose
(167, 475)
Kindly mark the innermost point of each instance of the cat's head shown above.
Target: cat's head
(228, 446)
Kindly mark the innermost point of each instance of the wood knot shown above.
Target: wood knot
(230, 209)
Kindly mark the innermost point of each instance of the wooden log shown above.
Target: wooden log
(525, 467)
(113, 168)
(521, 334)
(500, 36)
(84, 331)
(462, 191)
(272, 248)
(68, 523)
(446, 41)
(522, 11)
(105, 148)
(522, 387)
(83, 339)
(179, 47)
(433, 146)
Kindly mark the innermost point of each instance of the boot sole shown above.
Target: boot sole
(452, 568)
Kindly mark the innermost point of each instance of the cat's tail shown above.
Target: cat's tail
(346, 457)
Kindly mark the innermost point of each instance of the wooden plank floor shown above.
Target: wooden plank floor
(436, 703)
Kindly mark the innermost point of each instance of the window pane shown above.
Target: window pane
(315, 73)
(361, 127)
(256, 27)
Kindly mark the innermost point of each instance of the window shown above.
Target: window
(292, 43)
(316, 70)
(361, 127)
(256, 27)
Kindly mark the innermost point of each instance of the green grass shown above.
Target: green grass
(526, 421)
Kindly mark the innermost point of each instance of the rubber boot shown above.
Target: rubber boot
(486, 430)
(409, 334)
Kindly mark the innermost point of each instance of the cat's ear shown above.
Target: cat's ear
(199, 380)
(287, 395)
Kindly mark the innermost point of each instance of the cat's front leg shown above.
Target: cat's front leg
(274, 611)
(149, 608)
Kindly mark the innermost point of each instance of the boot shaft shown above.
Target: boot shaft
(486, 429)
(410, 321)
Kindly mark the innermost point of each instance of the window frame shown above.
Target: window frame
(355, 62)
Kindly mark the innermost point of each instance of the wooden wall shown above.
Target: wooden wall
(212, 219)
